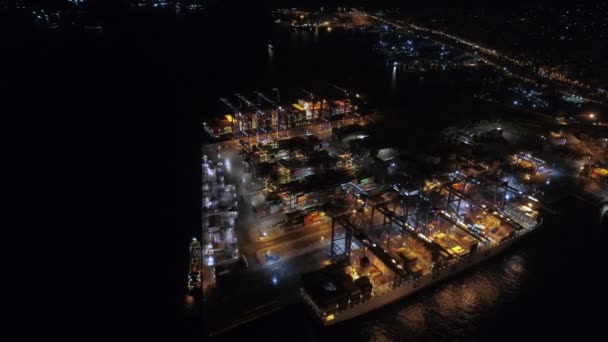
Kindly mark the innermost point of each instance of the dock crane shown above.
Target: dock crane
(312, 96)
(346, 93)
(258, 112)
(275, 104)
(260, 95)
(237, 116)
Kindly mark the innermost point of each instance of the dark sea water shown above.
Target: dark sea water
(112, 188)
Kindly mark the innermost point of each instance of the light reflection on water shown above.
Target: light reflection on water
(455, 307)
(515, 269)
(189, 303)
(413, 319)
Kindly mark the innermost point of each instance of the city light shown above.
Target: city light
(228, 165)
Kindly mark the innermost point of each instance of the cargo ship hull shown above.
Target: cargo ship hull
(409, 287)
(194, 274)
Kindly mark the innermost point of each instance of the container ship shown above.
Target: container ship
(194, 272)
(394, 243)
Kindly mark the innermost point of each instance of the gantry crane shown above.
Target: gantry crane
(346, 93)
(236, 116)
(312, 96)
(257, 111)
(275, 104)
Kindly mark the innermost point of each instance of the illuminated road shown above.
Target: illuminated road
(285, 247)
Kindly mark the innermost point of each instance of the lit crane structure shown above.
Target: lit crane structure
(261, 96)
(339, 88)
(258, 113)
(274, 104)
(312, 97)
(413, 216)
(464, 193)
(346, 93)
(449, 223)
(373, 221)
(235, 117)
(428, 227)
(356, 224)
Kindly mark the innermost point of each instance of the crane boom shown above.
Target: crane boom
(274, 104)
(237, 114)
(244, 99)
(257, 110)
(230, 105)
(308, 92)
(339, 88)
(263, 97)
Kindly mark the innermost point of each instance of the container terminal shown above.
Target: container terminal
(393, 244)
(304, 201)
